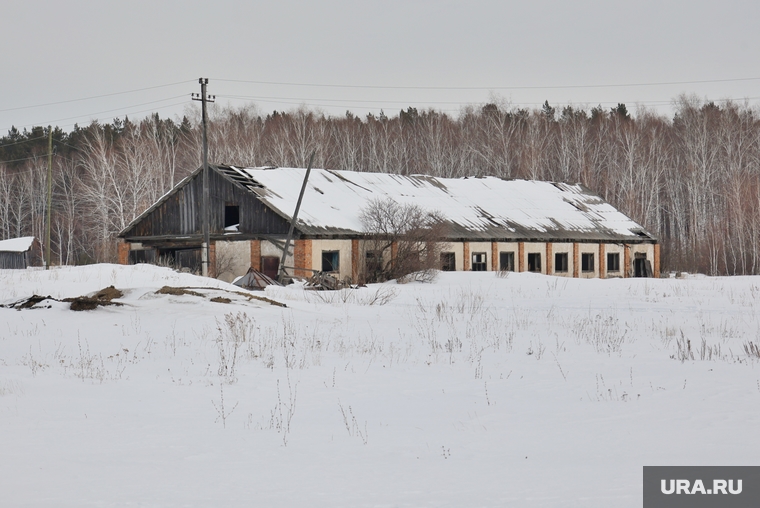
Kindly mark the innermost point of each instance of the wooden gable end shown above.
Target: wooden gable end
(180, 212)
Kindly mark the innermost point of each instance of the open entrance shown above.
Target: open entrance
(181, 259)
(270, 266)
(641, 266)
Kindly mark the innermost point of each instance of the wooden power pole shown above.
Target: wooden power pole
(49, 196)
(205, 246)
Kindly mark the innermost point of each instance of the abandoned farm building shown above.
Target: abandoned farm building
(491, 224)
(20, 253)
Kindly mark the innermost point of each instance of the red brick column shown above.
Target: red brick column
(549, 259)
(494, 256)
(123, 248)
(256, 255)
(212, 260)
(521, 257)
(602, 262)
(466, 260)
(656, 263)
(355, 261)
(626, 260)
(302, 258)
(576, 260)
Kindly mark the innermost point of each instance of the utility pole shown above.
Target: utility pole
(281, 274)
(205, 254)
(49, 196)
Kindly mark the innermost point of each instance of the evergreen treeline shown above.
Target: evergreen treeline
(693, 180)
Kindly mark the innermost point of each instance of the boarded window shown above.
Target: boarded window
(587, 262)
(231, 216)
(613, 262)
(448, 261)
(330, 261)
(507, 261)
(560, 262)
(534, 262)
(479, 262)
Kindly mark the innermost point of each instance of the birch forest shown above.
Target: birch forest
(692, 179)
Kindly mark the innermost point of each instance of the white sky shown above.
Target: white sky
(449, 54)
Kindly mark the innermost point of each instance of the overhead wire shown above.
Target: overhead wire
(95, 96)
(531, 87)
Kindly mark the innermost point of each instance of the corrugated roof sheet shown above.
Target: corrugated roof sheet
(477, 208)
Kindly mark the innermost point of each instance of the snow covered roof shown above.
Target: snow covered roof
(22, 244)
(477, 208)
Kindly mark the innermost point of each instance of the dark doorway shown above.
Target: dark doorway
(181, 259)
(270, 266)
(640, 265)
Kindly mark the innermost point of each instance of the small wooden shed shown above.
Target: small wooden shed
(20, 253)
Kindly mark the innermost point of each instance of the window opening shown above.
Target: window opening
(479, 262)
(507, 261)
(613, 262)
(560, 262)
(330, 261)
(534, 262)
(448, 261)
(587, 262)
(373, 265)
(231, 216)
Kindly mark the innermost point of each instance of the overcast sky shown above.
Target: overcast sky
(367, 56)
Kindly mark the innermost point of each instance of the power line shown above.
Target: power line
(96, 96)
(3, 145)
(117, 109)
(539, 87)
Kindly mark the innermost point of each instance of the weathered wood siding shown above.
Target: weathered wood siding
(13, 260)
(180, 214)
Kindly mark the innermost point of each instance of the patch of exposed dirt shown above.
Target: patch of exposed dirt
(108, 294)
(221, 299)
(87, 303)
(169, 290)
(29, 303)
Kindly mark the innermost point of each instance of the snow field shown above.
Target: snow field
(475, 390)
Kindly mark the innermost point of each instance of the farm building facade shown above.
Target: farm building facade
(491, 224)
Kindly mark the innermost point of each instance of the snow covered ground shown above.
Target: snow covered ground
(475, 390)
